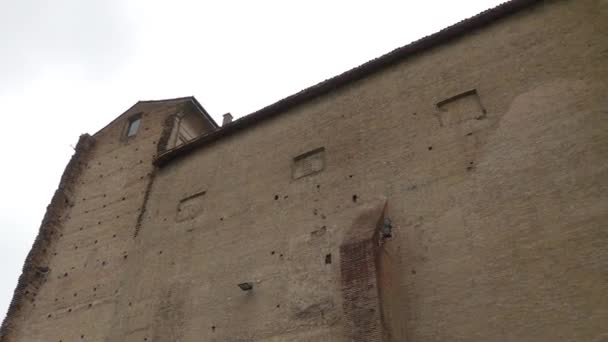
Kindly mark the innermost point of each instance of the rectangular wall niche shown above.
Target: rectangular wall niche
(460, 108)
(190, 207)
(309, 163)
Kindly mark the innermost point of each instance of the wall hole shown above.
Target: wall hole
(355, 198)
(430, 148)
(328, 258)
(276, 197)
(213, 328)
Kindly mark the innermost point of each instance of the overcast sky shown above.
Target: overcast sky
(70, 66)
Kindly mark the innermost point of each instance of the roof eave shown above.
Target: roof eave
(447, 34)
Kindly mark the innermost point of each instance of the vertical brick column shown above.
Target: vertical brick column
(360, 291)
(358, 257)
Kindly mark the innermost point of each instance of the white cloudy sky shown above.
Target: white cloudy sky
(70, 66)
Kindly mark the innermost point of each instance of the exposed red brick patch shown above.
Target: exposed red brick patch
(359, 291)
(358, 267)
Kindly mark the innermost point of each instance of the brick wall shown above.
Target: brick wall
(491, 150)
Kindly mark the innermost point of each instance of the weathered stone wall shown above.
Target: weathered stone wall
(36, 267)
(489, 155)
(491, 152)
(87, 238)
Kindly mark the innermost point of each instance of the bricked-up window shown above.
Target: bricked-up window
(309, 163)
(190, 207)
(461, 108)
(133, 125)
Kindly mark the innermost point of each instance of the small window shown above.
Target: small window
(133, 126)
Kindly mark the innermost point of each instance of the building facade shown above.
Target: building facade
(455, 189)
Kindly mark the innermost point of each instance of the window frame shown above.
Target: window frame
(134, 119)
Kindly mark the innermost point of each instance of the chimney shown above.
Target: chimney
(227, 119)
